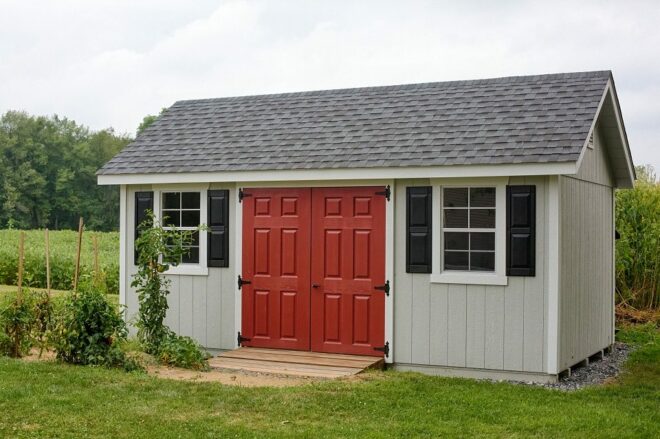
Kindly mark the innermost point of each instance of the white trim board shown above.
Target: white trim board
(122, 247)
(505, 170)
(389, 245)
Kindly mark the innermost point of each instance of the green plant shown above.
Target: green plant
(16, 322)
(183, 352)
(89, 330)
(158, 249)
(638, 249)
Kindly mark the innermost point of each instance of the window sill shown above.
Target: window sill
(188, 270)
(467, 278)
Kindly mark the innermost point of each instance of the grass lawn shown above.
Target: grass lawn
(55, 400)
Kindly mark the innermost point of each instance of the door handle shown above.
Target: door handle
(315, 285)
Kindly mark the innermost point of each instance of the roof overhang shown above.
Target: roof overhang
(504, 170)
(609, 120)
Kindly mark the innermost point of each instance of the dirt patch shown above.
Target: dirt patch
(228, 377)
(46, 355)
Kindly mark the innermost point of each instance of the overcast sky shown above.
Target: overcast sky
(108, 63)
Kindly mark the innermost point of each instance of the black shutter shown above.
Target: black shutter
(418, 229)
(144, 201)
(218, 223)
(521, 230)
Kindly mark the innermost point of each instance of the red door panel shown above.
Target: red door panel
(276, 245)
(348, 262)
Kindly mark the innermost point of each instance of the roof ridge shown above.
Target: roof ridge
(591, 74)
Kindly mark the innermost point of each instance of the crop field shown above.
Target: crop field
(62, 258)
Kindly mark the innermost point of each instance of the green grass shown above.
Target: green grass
(63, 244)
(55, 400)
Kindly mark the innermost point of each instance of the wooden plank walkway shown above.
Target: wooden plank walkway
(294, 363)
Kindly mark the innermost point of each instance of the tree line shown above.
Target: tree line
(48, 173)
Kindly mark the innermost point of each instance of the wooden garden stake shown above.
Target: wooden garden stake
(21, 241)
(77, 269)
(47, 263)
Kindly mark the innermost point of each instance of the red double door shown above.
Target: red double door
(314, 259)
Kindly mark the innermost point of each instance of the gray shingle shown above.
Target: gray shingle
(522, 119)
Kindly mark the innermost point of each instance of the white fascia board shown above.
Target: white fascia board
(505, 170)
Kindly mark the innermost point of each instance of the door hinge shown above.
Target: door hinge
(385, 288)
(240, 339)
(242, 282)
(242, 194)
(387, 192)
(385, 349)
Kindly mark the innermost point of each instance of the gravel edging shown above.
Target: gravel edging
(596, 373)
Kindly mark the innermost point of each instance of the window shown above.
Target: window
(182, 211)
(469, 231)
(468, 228)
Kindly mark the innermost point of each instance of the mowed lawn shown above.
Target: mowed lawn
(55, 400)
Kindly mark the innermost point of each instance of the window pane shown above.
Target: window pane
(171, 200)
(456, 241)
(190, 218)
(482, 241)
(455, 197)
(190, 256)
(456, 260)
(455, 218)
(482, 197)
(171, 218)
(482, 218)
(190, 200)
(482, 261)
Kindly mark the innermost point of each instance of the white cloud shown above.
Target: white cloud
(108, 63)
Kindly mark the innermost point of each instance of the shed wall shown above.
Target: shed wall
(476, 326)
(586, 258)
(201, 307)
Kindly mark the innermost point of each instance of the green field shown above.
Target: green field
(63, 253)
(56, 400)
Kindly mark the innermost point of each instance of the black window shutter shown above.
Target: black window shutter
(218, 223)
(144, 201)
(521, 230)
(418, 229)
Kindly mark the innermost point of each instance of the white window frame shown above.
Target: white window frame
(201, 268)
(497, 277)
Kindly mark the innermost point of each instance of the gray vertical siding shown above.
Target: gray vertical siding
(475, 326)
(586, 271)
(201, 307)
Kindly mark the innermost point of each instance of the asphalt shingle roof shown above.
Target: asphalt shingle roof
(524, 119)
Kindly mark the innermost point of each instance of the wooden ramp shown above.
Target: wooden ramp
(294, 363)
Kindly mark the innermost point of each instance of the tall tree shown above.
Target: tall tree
(48, 173)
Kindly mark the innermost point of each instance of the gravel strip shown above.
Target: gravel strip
(597, 372)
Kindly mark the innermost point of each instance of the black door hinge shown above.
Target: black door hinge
(242, 194)
(387, 192)
(385, 288)
(242, 282)
(385, 349)
(240, 339)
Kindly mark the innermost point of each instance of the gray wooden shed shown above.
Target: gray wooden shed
(456, 228)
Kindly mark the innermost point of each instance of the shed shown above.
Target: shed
(459, 228)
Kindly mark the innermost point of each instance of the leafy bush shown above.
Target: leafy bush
(62, 250)
(183, 352)
(17, 319)
(638, 249)
(89, 330)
